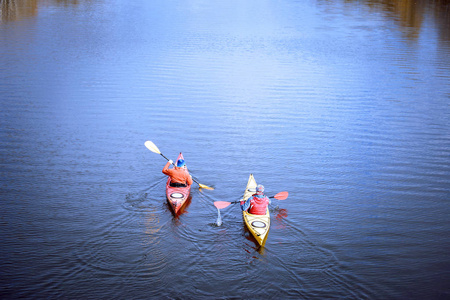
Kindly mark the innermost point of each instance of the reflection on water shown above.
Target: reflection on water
(410, 14)
(280, 215)
(13, 10)
(251, 246)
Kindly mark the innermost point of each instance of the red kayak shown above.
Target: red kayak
(177, 196)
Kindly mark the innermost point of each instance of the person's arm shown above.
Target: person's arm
(166, 170)
(246, 205)
(189, 180)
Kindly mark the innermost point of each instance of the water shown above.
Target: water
(345, 104)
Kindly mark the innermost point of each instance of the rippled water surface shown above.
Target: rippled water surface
(345, 104)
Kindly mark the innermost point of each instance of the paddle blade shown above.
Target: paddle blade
(281, 195)
(152, 147)
(202, 186)
(221, 204)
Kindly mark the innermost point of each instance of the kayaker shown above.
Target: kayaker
(257, 203)
(179, 176)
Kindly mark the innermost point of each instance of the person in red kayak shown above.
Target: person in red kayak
(179, 176)
(257, 203)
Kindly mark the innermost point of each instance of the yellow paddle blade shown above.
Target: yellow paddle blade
(202, 186)
(152, 147)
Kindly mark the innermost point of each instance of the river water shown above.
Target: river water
(344, 104)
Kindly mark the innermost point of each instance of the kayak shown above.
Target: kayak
(177, 195)
(258, 225)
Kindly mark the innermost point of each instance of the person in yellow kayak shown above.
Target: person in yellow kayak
(257, 203)
(179, 176)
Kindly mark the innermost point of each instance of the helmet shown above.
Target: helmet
(260, 188)
(180, 163)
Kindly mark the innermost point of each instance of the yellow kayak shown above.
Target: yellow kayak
(258, 225)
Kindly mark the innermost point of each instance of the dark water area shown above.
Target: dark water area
(344, 104)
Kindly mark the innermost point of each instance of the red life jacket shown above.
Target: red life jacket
(258, 205)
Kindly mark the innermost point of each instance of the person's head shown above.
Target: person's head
(259, 189)
(180, 163)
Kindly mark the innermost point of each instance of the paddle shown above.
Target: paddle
(152, 147)
(223, 204)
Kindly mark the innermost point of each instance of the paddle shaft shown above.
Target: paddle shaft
(239, 201)
(271, 197)
(223, 204)
(166, 158)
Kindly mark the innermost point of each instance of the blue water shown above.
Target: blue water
(344, 104)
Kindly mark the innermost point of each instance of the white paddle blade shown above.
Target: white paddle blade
(152, 147)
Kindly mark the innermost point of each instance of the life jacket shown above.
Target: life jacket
(258, 204)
